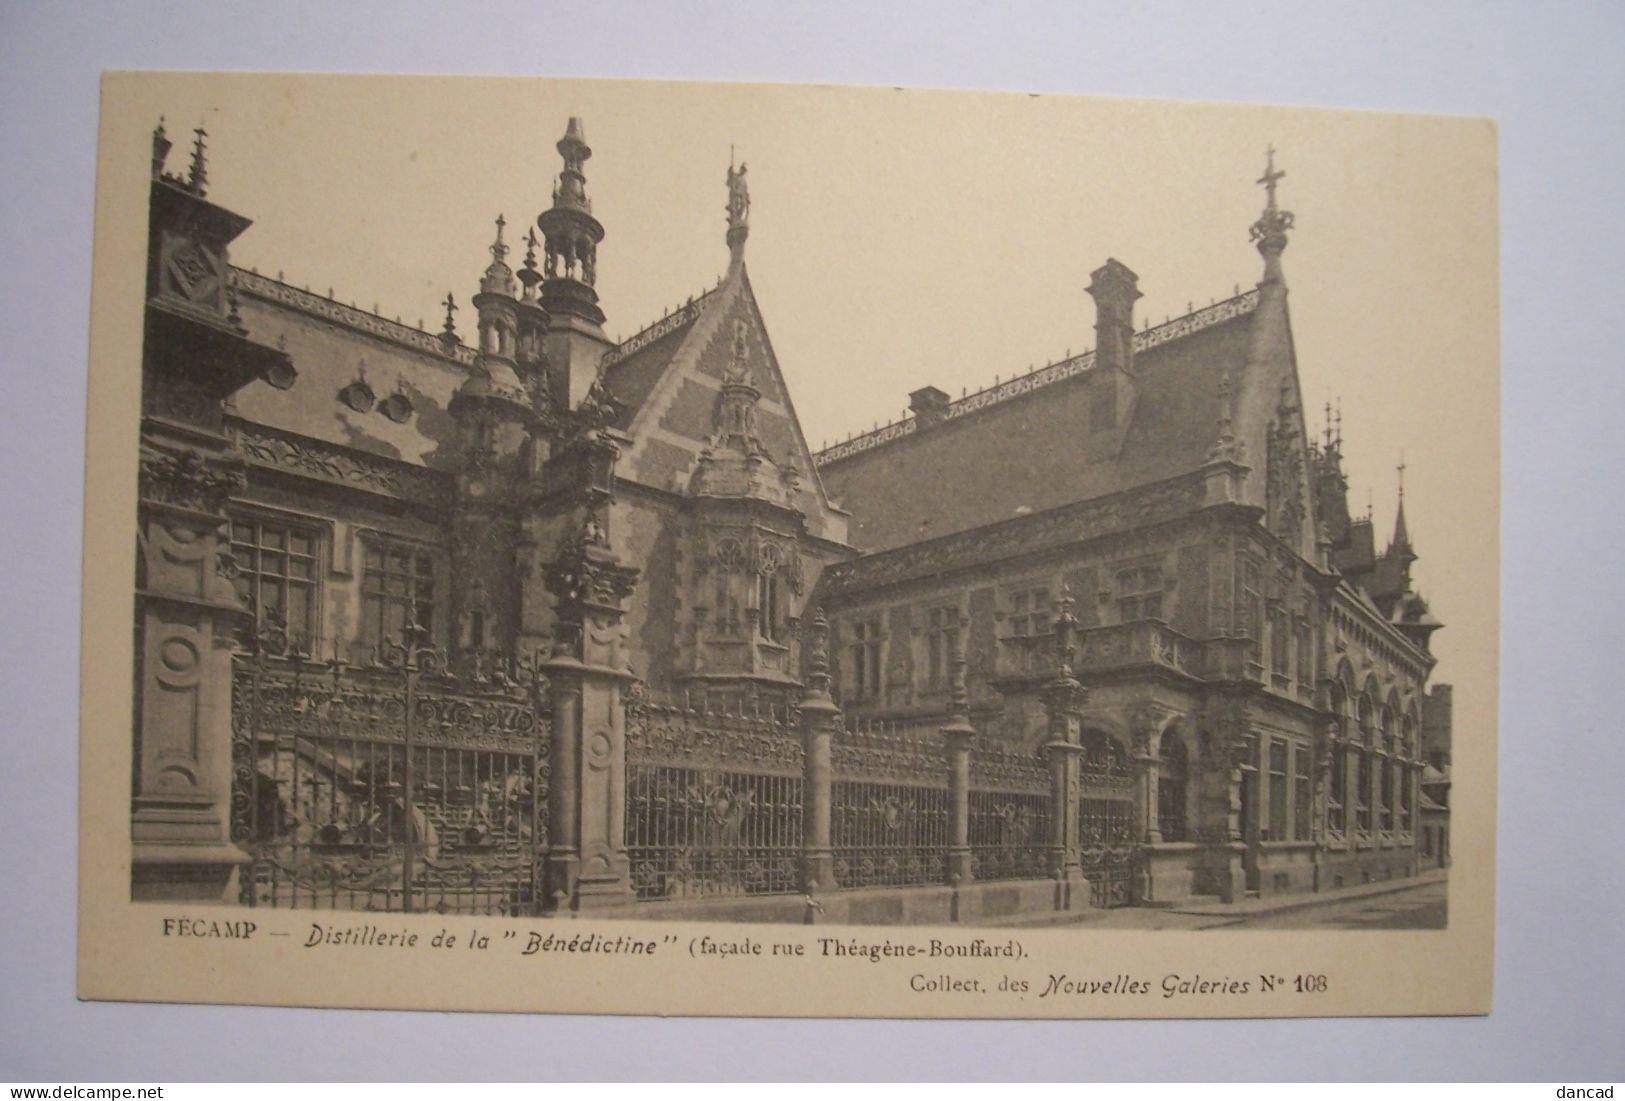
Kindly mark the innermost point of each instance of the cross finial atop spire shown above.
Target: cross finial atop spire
(1270, 177)
(449, 333)
(1269, 232)
(1401, 469)
(498, 249)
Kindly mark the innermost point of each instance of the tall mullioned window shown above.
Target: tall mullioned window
(1362, 794)
(1139, 593)
(863, 656)
(1171, 781)
(1278, 782)
(1300, 793)
(277, 572)
(941, 633)
(770, 619)
(1029, 612)
(397, 587)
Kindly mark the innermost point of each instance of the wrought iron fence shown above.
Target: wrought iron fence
(889, 816)
(1009, 814)
(713, 802)
(394, 785)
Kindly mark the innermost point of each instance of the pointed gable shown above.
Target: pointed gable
(1270, 424)
(673, 383)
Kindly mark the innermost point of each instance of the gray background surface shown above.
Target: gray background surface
(1553, 76)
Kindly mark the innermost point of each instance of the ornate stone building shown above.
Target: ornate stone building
(582, 531)
(1254, 668)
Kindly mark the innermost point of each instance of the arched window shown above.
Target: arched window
(1337, 791)
(767, 603)
(1171, 785)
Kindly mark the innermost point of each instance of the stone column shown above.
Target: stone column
(187, 616)
(820, 719)
(589, 672)
(957, 737)
(1150, 775)
(563, 840)
(1063, 700)
(1351, 794)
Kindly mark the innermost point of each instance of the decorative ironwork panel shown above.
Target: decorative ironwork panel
(1108, 820)
(706, 832)
(888, 835)
(888, 751)
(1009, 834)
(386, 788)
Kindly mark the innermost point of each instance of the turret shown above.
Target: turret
(575, 342)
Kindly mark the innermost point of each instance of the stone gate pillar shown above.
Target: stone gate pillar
(820, 719)
(196, 353)
(1063, 700)
(187, 617)
(587, 865)
(1149, 766)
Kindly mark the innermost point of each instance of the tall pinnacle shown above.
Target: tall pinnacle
(199, 175)
(1401, 543)
(1269, 232)
(498, 276)
(160, 149)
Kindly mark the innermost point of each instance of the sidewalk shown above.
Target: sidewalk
(1231, 911)
(1258, 907)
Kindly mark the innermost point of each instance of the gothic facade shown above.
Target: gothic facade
(643, 524)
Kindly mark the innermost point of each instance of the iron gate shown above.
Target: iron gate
(392, 784)
(1107, 815)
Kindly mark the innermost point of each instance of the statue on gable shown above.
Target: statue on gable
(738, 197)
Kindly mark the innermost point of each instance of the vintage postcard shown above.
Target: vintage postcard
(723, 549)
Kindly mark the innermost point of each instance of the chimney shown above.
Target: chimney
(930, 407)
(1114, 288)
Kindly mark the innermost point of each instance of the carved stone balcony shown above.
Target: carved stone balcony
(1146, 644)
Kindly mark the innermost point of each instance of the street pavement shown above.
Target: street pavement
(1419, 907)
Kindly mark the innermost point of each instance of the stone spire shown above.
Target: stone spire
(1400, 545)
(575, 342)
(498, 276)
(1269, 232)
(738, 212)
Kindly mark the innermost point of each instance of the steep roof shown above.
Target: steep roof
(634, 366)
(1026, 445)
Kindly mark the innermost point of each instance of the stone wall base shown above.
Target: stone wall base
(185, 873)
(968, 904)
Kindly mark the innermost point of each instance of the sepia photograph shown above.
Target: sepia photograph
(687, 524)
